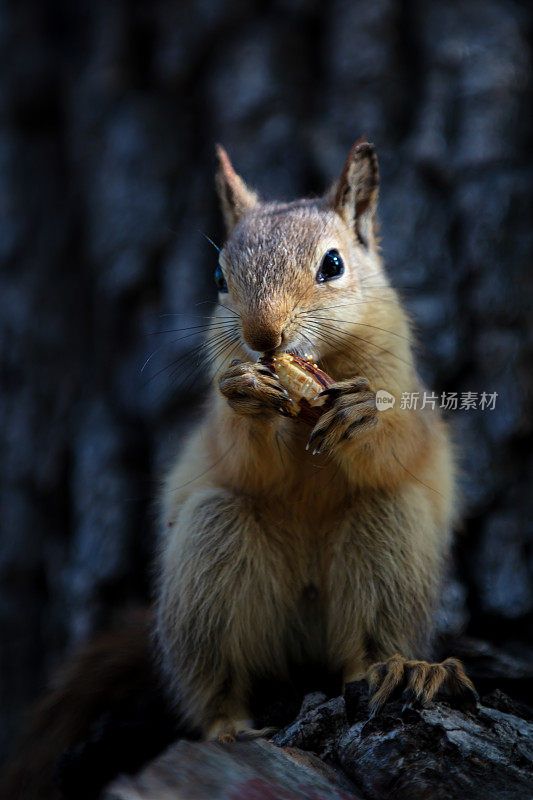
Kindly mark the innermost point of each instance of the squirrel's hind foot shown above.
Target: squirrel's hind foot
(419, 682)
(228, 731)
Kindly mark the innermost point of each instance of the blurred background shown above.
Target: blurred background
(109, 112)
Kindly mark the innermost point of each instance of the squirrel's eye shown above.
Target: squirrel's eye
(220, 280)
(332, 267)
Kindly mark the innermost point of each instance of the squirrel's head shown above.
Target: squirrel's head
(291, 271)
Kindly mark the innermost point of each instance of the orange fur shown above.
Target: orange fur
(251, 518)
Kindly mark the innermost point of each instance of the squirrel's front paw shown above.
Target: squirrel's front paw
(253, 389)
(352, 415)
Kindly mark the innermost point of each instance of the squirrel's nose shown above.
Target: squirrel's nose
(263, 339)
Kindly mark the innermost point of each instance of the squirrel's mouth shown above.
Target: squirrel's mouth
(303, 353)
(300, 349)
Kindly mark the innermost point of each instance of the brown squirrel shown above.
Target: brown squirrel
(274, 552)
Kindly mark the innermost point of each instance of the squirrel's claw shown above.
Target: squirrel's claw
(421, 682)
(353, 413)
(251, 389)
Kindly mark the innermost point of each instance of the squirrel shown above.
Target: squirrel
(280, 543)
(285, 544)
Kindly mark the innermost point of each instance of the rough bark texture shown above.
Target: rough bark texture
(436, 753)
(108, 116)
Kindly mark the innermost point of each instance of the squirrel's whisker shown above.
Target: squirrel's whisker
(189, 354)
(213, 465)
(370, 342)
(228, 356)
(206, 358)
(365, 301)
(185, 314)
(200, 328)
(230, 310)
(335, 343)
(366, 325)
(338, 337)
(217, 248)
(427, 486)
(184, 356)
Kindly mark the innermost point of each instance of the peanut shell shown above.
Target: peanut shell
(304, 381)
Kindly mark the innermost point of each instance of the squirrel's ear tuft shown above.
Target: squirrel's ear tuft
(355, 196)
(235, 197)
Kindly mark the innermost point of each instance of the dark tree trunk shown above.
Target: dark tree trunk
(108, 117)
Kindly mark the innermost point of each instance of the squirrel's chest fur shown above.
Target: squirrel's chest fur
(317, 557)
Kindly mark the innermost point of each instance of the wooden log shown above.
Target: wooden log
(255, 770)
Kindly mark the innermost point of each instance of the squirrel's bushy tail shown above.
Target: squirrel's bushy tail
(105, 713)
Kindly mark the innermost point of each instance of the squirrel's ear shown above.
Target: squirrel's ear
(355, 196)
(235, 197)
